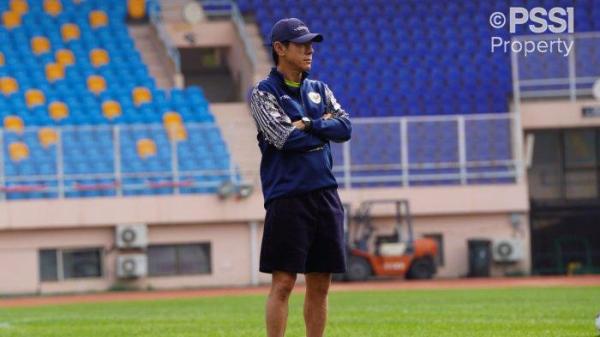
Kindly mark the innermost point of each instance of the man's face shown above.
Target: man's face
(298, 55)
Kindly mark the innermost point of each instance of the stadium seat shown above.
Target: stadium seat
(19, 7)
(52, 7)
(58, 110)
(146, 148)
(54, 72)
(34, 97)
(98, 18)
(11, 19)
(47, 136)
(65, 57)
(96, 84)
(40, 45)
(136, 8)
(111, 109)
(18, 151)
(70, 31)
(141, 95)
(14, 124)
(99, 57)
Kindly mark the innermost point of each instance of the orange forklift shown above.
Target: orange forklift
(398, 254)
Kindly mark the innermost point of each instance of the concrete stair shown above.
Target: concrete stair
(153, 54)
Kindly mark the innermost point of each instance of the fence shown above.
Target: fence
(144, 159)
(556, 74)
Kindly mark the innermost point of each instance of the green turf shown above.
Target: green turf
(539, 312)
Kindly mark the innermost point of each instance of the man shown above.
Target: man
(296, 118)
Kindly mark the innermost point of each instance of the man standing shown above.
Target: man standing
(296, 118)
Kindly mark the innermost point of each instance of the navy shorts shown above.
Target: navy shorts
(304, 234)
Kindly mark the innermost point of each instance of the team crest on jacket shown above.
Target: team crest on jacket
(315, 97)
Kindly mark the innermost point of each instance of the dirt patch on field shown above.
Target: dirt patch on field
(376, 285)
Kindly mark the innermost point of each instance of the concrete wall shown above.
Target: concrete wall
(555, 114)
(459, 213)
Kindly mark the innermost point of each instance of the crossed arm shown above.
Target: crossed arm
(277, 128)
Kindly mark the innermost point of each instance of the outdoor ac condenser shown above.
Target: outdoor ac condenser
(507, 250)
(132, 265)
(131, 236)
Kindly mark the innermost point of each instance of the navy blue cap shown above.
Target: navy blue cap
(293, 30)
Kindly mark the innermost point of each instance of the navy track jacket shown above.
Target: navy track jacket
(295, 161)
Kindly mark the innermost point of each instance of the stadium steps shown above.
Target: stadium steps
(153, 55)
(239, 132)
(172, 10)
(263, 59)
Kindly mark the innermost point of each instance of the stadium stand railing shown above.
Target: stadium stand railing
(151, 159)
(546, 75)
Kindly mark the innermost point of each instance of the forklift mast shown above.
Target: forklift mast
(364, 229)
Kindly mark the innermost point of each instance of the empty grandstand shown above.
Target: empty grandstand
(131, 113)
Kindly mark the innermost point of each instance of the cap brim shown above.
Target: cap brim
(310, 37)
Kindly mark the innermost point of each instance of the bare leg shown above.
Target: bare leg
(277, 303)
(315, 303)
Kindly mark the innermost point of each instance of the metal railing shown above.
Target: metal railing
(231, 9)
(108, 161)
(155, 16)
(555, 74)
(383, 151)
(406, 151)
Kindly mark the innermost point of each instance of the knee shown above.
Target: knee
(282, 287)
(319, 289)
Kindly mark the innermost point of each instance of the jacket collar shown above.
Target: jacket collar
(279, 76)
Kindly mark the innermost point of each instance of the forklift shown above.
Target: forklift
(399, 254)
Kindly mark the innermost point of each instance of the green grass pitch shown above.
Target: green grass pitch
(522, 312)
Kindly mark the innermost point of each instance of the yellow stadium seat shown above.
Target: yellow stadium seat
(52, 7)
(96, 84)
(34, 97)
(8, 85)
(65, 57)
(14, 124)
(141, 95)
(54, 72)
(70, 31)
(47, 136)
(58, 110)
(40, 45)
(2, 60)
(176, 131)
(136, 8)
(172, 117)
(111, 109)
(146, 148)
(99, 57)
(18, 151)
(11, 19)
(98, 19)
(19, 6)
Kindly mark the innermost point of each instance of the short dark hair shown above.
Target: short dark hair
(274, 54)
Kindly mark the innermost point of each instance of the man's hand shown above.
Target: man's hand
(299, 124)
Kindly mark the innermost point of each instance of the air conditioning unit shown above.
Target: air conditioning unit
(132, 266)
(507, 250)
(131, 236)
